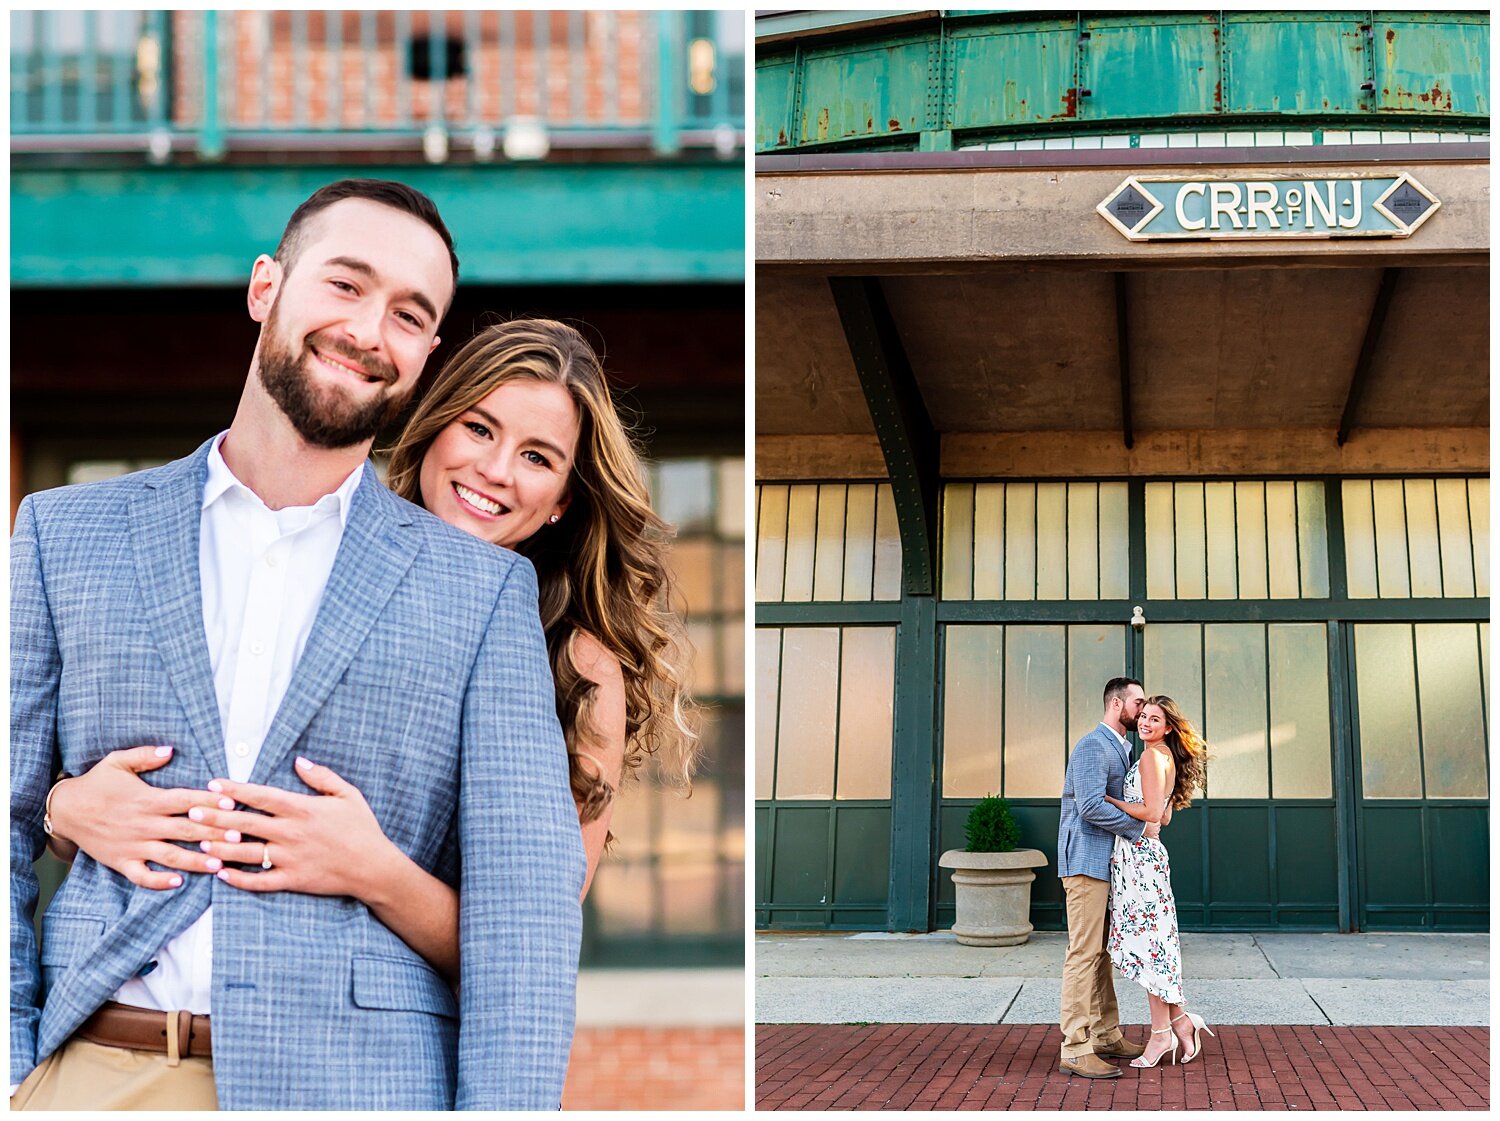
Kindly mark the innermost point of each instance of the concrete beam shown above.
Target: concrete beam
(1249, 451)
(1061, 455)
(795, 458)
(903, 221)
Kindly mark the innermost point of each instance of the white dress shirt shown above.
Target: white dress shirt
(263, 573)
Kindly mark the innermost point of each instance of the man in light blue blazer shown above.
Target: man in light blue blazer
(1086, 835)
(421, 677)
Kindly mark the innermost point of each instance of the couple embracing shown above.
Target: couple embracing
(334, 761)
(1114, 871)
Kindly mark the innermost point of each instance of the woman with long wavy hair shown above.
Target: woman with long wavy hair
(1143, 940)
(517, 442)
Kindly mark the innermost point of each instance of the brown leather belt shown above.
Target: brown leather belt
(144, 1029)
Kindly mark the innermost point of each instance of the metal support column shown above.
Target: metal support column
(1373, 329)
(910, 446)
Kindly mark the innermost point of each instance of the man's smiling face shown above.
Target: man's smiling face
(353, 321)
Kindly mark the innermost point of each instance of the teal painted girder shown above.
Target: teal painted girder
(989, 75)
(584, 224)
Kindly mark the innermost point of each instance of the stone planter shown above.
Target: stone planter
(993, 895)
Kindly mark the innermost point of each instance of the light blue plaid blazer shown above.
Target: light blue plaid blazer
(424, 682)
(1088, 824)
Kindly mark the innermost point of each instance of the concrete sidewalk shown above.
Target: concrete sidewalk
(1279, 978)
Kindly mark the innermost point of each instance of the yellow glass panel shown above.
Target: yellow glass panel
(887, 545)
(1301, 761)
(1161, 550)
(1052, 541)
(1250, 532)
(1174, 665)
(807, 722)
(1484, 663)
(1223, 561)
(1282, 559)
(732, 576)
(692, 564)
(1359, 539)
(705, 668)
(1422, 538)
(1390, 538)
(1192, 544)
(958, 541)
(767, 689)
(1035, 711)
(1479, 520)
(801, 543)
(1020, 541)
(1083, 541)
(1452, 718)
(730, 514)
(770, 544)
(1095, 654)
(859, 542)
(623, 896)
(1114, 541)
(1453, 537)
(1312, 539)
(1234, 711)
(732, 642)
(828, 566)
(867, 687)
(971, 711)
(1386, 681)
(989, 541)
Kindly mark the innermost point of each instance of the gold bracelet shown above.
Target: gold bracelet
(47, 805)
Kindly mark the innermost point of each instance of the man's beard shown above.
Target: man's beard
(1128, 722)
(325, 418)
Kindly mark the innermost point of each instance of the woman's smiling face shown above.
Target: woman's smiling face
(500, 471)
(1151, 724)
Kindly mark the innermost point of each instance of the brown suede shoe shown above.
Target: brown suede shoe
(1088, 1066)
(1121, 1048)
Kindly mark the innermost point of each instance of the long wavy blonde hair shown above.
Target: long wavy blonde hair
(1188, 748)
(600, 569)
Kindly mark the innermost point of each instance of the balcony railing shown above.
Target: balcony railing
(463, 84)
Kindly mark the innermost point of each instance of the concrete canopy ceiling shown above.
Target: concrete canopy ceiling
(1005, 349)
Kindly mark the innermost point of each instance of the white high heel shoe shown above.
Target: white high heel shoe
(1172, 1050)
(1198, 1027)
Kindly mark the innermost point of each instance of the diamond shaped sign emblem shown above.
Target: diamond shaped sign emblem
(1130, 207)
(1407, 203)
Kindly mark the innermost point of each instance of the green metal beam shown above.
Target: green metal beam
(908, 439)
(535, 224)
(915, 788)
(1374, 327)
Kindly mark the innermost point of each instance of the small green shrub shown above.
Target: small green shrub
(991, 827)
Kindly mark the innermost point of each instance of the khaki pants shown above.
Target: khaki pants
(83, 1075)
(1089, 1012)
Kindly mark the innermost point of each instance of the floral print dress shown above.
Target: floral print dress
(1142, 911)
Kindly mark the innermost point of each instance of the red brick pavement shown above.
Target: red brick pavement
(983, 1066)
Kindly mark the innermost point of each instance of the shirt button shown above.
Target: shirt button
(257, 648)
(271, 560)
(242, 749)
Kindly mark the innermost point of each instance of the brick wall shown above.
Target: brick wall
(593, 68)
(657, 1068)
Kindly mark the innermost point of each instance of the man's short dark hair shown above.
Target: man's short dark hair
(1118, 687)
(387, 192)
